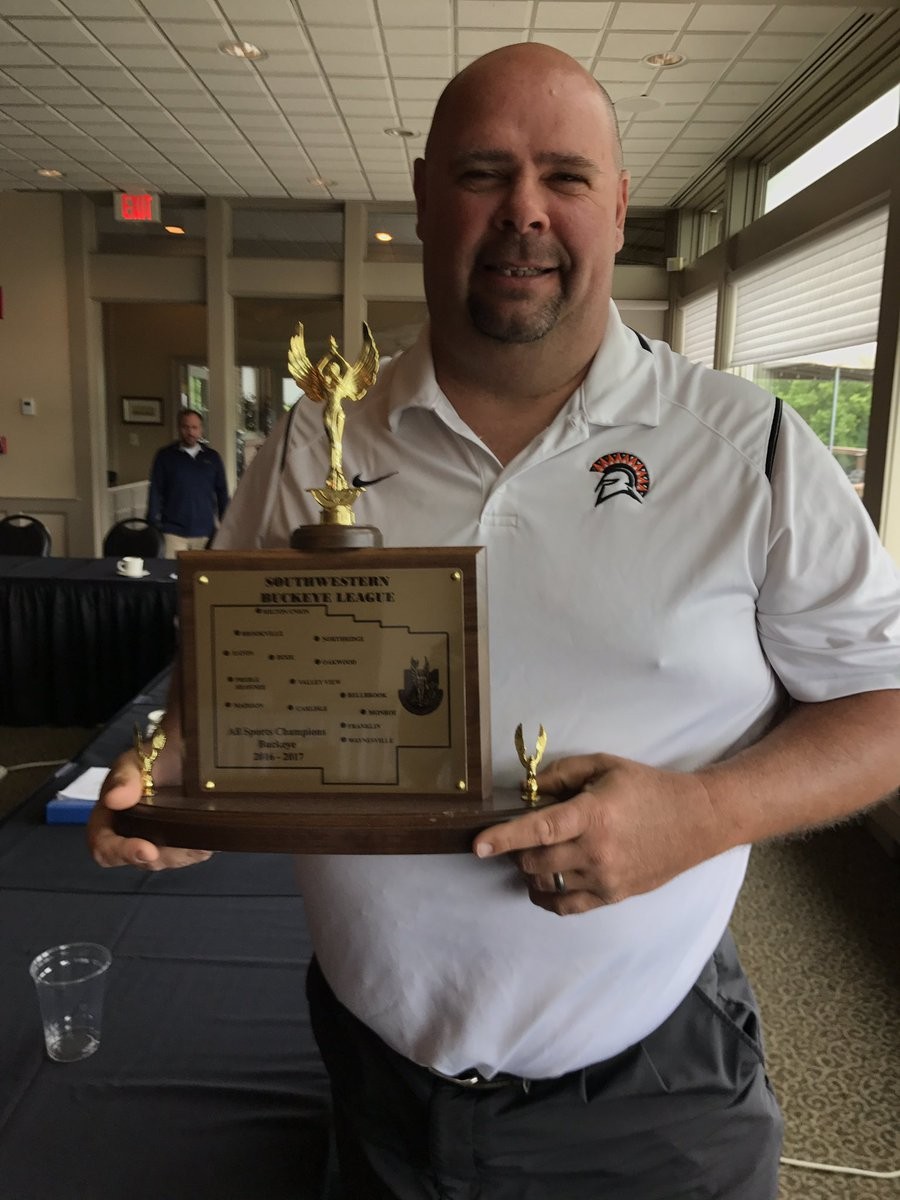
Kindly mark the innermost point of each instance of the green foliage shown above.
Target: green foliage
(813, 398)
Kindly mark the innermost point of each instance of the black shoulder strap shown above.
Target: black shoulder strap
(773, 437)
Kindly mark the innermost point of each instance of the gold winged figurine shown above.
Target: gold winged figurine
(147, 760)
(530, 762)
(330, 382)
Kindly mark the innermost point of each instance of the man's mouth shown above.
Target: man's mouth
(512, 272)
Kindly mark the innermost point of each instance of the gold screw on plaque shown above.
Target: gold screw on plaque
(147, 760)
(330, 382)
(530, 762)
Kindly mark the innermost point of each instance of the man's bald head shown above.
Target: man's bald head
(530, 57)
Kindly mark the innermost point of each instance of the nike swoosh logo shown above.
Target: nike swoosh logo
(356, 481)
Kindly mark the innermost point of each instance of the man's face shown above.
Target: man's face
(522, 208)
(190, 429)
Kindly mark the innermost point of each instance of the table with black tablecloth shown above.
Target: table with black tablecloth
(207, 1084)
(77, 639)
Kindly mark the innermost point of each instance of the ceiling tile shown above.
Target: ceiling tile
(361, 88)
(758, 71)
(566, 14)
(148, 58)
(257, 10)
(402, 14)
(51, 33)
(618, 70)
(711, 45)
(493, 14)
(740, 93)
(370, 65)
(347, 13)
(426, 66)
(125, 33)
(161, 10)
(742, 18)
(346, 41)
(418, 41)
(198, 35)
(737, 114)
(800, 18)
(678, 93)
(580, 43)
(650, 16)
(24, 54)
(786, 47)
(482, 41)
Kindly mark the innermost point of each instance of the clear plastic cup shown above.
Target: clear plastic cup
(71, 982)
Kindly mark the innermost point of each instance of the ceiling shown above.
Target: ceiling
(134, 95)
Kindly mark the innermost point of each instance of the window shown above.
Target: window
(806, 328)
(698, 334)
(854, 135)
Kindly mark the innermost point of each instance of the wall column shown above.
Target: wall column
(223, 376)
(89, 518)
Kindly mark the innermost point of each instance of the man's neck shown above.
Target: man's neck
(507, 397)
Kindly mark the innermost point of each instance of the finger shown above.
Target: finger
(569, 776)
(544, 827)
(569, 905)
(556, 883)
(122, 787)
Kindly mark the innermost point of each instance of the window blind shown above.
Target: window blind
(823, 296)
(698, 335)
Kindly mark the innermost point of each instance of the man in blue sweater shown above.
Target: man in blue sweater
(188, 492)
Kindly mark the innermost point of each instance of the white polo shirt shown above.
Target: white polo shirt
(651, 594)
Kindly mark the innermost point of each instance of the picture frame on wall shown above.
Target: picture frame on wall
(142, 410)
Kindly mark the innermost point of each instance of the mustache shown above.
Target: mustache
(523, 248)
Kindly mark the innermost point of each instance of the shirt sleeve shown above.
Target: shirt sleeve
(828, 611)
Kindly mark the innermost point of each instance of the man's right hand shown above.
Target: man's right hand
(122, 789)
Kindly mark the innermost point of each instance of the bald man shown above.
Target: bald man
(710, 675)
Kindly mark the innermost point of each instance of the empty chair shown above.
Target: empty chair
(21, 534)
(134, 535)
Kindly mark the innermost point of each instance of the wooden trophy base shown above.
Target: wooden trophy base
(319, 825)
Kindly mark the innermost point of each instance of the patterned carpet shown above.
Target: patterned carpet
(818, 928)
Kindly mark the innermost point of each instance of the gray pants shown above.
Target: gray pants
(686, 1114)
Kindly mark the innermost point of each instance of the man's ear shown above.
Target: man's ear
(419, 193)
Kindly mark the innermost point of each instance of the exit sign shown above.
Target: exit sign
(136, 206)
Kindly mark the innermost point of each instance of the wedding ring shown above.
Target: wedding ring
(559, 883)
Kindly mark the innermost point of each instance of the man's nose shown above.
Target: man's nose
(523, 208)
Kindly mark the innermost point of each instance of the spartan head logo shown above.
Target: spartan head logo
(621, 474)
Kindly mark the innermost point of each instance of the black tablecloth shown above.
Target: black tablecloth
(207, 1084)
(77, 639)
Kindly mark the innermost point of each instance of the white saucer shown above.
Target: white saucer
(125, 574)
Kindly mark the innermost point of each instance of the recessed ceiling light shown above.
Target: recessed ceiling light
(382, 236)
(667, 58)
(399, 131)
(49, 173)
(320, 182)
(173, 229)
(243, 50)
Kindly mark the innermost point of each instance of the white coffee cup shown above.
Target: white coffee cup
(133, 567)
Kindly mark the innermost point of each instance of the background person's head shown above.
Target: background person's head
(521, 204)
(190, 427)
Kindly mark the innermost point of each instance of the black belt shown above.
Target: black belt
(474, 1080)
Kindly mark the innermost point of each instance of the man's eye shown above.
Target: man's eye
(479, 177)
(564, 179)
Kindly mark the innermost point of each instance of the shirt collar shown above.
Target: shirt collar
(620, 387)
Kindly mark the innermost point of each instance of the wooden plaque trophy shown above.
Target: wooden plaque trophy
(334, 694)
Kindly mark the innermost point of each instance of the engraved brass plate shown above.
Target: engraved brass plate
(355, 674)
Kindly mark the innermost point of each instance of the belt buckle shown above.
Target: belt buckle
(474, 1080)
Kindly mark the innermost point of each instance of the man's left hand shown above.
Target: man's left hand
(620, 829)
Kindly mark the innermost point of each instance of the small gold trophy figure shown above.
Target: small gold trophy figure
(530, 762)
(147, 760)
(330, 382)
